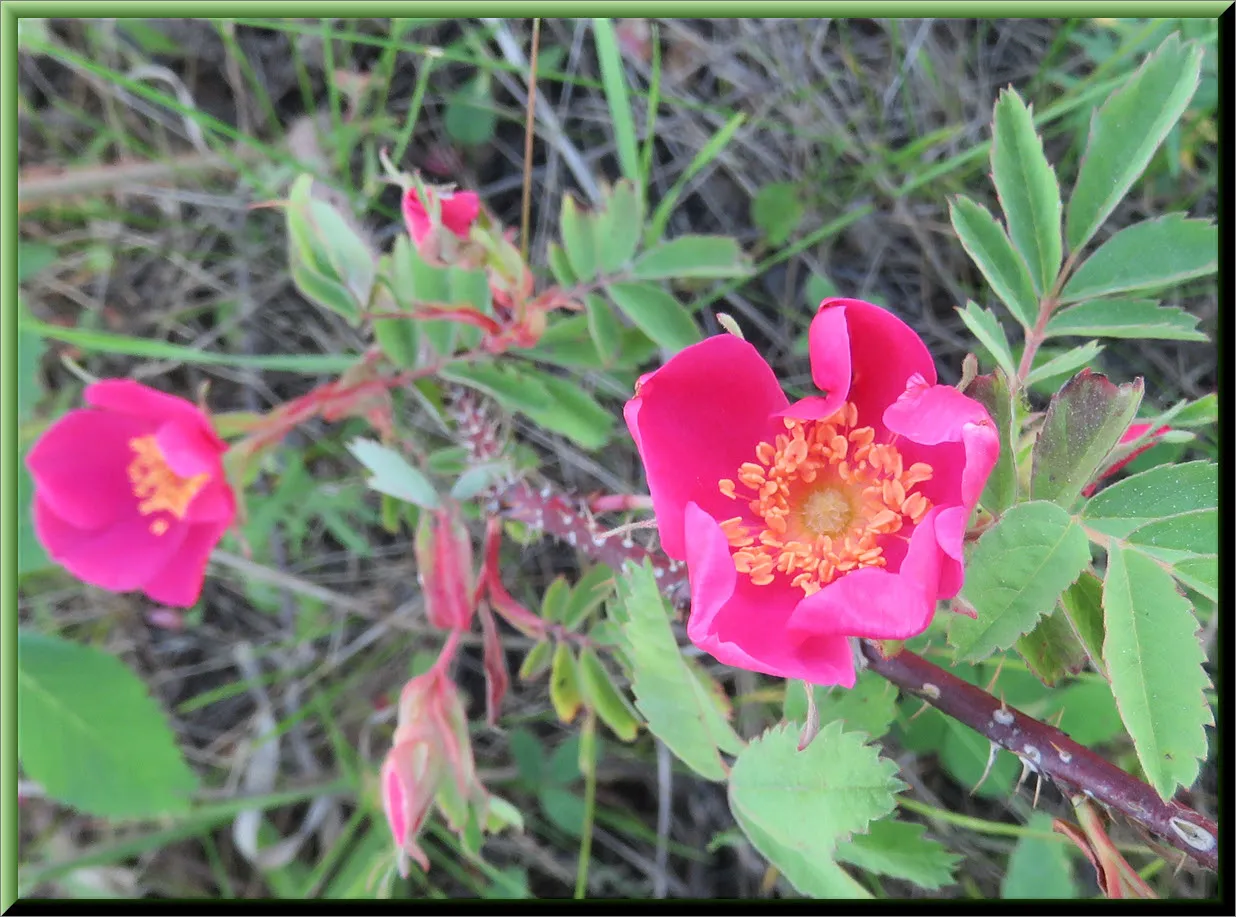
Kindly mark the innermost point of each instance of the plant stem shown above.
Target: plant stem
(997, 828)
(1045, 749)
(590, 810)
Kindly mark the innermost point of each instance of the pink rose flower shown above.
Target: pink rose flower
(840, 515)
(129, 493)
(459, 211)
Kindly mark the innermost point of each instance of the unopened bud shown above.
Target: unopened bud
(444, 567)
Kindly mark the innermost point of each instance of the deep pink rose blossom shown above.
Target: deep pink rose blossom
(459, 211)
(840, 515)
(129, 493)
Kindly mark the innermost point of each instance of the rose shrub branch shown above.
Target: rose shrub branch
(1050, 752)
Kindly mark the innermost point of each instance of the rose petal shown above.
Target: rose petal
(864, 354)
(79, 467)
(124, 396)
(120, 558)
(186, 450)
(459, 212)
(215, 502)
(950, 432)
(744, 625)
(179, 583)
(696, 420)
(875, 603)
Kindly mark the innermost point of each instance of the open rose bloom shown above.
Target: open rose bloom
(130, 492)
(840, 515)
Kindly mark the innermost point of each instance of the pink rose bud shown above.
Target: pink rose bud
(444, 567)
(410, 777)
(458, 211)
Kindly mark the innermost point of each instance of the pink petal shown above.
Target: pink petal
(459, 212)
(215, 502)
(121, 557)
(179, 583)
(864, 354)
(744, 625)
(962, 444)
(80, 467)
(415, 217)
(124, 396)
(695, 421)
(876, 603)
(186, 450)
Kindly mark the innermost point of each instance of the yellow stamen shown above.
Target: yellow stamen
(157, 487)
(825, 493)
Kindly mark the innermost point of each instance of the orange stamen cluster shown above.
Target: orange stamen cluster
(157, 487)
(825, 493)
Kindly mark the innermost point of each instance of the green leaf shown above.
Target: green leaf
(90, 733)
(589, 594)
(1148, 255)
(564, 684)
(1084, 422)
(805, 803)
(603, 328)
(900, 850)
(603, 697)
(1064, 364)
(984, 325)
(619, 227)
(536, 663)
(984, 240)
(470, 119)
(1125, 318)
(579, 238)
(330, 263)
(1015, 575)
(391, 474)
(614, 79)
(571, 411)
(1039, 868)
(1166, 492)
(559, 266)
(811, 876)
(1052, 650)
(1155, 661)
(33, 258)
(777, 209)
(1200, 574)
(554, 601)
(106, 342)
(692, 256)
(31, 558)
(656, 313)
(677, 706)
(1126, 131)
(1082, 606)
(992, 392)
(1027, 187)
(870, 706)
(513, 389)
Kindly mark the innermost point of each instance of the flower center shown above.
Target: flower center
(826, 493)
(157, 487)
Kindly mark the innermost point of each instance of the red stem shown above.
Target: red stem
(1075, 768)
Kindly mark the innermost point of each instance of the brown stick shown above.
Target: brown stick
(1045, 749)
